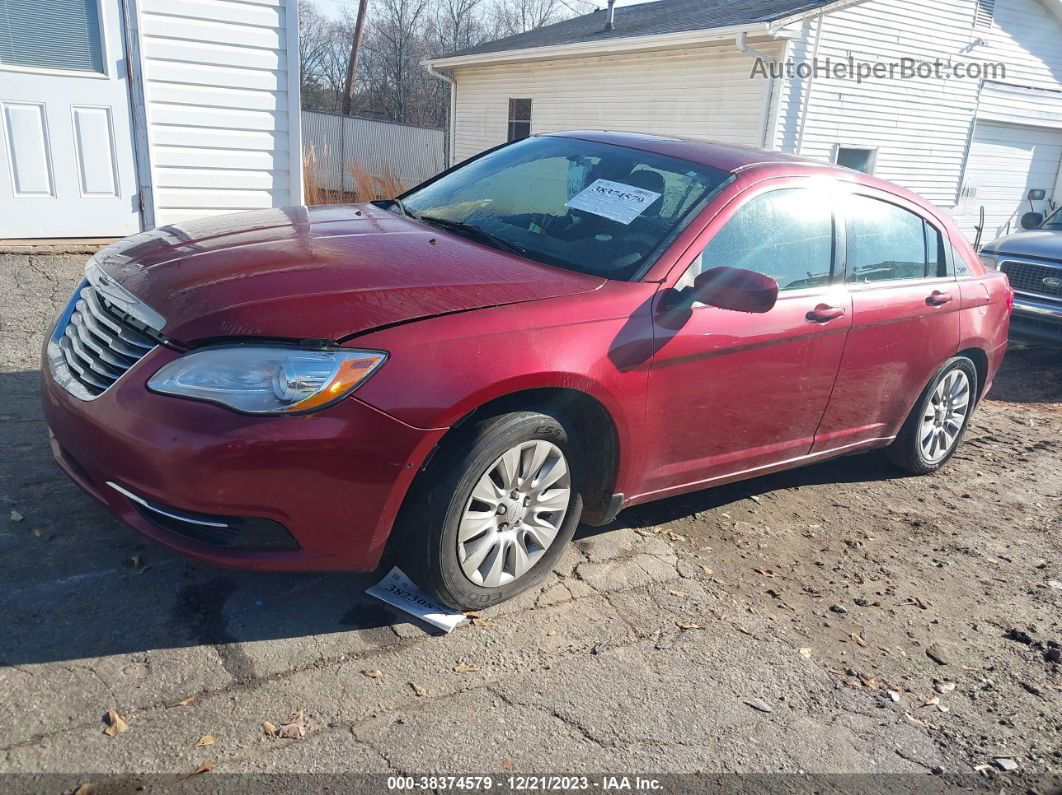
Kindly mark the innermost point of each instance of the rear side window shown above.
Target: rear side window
(785, 234)
(889, 243)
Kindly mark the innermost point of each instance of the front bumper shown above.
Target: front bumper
(1036, 319)
(333, 480)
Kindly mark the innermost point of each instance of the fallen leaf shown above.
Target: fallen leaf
(372, 674)
(38, 532)
(680, 625)
(115, 724)
(508, 764)
(472, 614)
(184, 702)
(480, 622)
(464, 668)
(856, 639)
(85, 789)
(676, 536)
(420, 691)
(679, 594)
(206, 767)
(16, 516)
(920, 723)
(766, 573)
(205, 740)
(932, 701)
(868, 681)
(294, 728)
(707, 571)
(269, 729)
(915, 601)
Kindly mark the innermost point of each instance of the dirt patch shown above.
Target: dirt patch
(941, 594)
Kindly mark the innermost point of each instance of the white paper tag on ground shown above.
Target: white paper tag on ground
(399, 591)
(613, 200)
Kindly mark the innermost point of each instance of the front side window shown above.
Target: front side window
(889, 243)
(584, 206)
(785, 234)
(519, 119)
(60, 34)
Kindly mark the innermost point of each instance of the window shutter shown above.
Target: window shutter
(51, 34)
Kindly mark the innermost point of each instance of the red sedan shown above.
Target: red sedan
(546, 334)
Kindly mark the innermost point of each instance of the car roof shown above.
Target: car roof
(735, 158)
(723, 156)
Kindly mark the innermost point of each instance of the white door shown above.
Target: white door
(66, 151)
(1006, 162)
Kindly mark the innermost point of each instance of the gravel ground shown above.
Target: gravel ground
(839, 619)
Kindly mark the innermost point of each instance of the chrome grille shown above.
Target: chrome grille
(96, 342)
(1029, 277)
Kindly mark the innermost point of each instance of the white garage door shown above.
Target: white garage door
(1006, 162)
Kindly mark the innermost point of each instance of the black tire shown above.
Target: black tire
(906, 452)
(432, 513)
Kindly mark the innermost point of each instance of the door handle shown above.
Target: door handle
(937, 298)
(824, 314)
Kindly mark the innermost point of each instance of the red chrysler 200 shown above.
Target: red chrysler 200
(550, 332)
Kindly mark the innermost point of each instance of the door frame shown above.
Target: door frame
(129, 11)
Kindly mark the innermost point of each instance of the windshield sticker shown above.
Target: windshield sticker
(614, 200)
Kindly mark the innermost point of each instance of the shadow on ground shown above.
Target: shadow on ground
(77, 583)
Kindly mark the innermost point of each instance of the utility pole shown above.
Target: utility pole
(352, 64)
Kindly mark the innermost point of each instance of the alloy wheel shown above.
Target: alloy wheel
(944, 416)
(515, 512)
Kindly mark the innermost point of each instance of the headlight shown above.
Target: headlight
(990, 261)
(266, 380)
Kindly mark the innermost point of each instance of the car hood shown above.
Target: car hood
(322, 273)
(1039, 243)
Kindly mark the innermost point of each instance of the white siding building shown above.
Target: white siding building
(122, 115)
(972, 136)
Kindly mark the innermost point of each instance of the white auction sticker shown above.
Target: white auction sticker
(613, 200)
(398, 590)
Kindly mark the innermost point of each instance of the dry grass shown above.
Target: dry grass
(367, 187)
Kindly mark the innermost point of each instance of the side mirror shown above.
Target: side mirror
(735, 289)
(1032, 220)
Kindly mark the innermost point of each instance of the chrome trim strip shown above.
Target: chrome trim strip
(789, 463)
(155, 509)
(1038, 308)
(122, 298)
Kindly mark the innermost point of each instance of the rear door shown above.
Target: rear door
(733, 393)
(66, 150)
(906, 321)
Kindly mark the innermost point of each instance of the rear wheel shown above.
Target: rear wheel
(933, 431)
(495, 511)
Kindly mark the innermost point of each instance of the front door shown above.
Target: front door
(905, 319)
(734, 393)
(66, 154)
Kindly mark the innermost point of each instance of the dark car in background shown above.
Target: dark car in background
(1032, 260)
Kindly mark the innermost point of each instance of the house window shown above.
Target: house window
(519, 119)
(857, 158)
(62, 34)
(985, 14)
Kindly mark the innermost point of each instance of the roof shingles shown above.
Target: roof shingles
(647, 19)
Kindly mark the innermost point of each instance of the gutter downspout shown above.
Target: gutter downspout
(741, 41)
(451, 123)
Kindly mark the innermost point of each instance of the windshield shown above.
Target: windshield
(1054, 221)
(588, 207)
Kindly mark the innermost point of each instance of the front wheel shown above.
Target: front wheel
(936, 425)
(495, 511)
